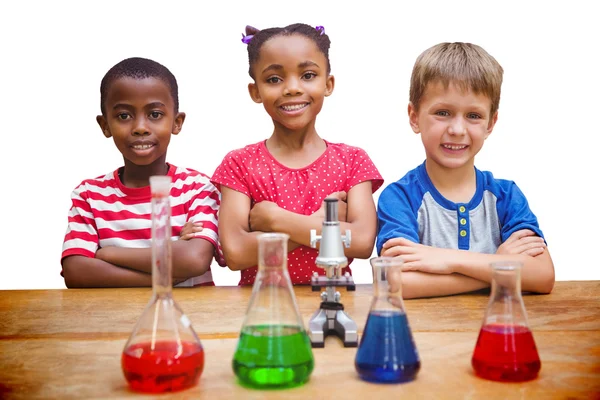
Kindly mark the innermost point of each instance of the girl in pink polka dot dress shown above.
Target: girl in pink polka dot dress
(279, 184)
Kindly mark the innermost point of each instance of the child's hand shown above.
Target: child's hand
(342, 206)
(189, 229)
(524, 241)
(262, 215)
(418, 257)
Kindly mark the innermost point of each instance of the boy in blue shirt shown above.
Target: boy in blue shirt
(447, 219)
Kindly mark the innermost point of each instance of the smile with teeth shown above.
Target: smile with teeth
(142, 146)
(454, 147)
(293, 107)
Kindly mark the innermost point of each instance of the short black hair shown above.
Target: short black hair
(261, 36)
(138, 68)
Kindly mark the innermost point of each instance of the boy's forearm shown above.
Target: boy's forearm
(126, 257)
(187, 260)
(85, 272)
(420, 284)
(298, 226)
(537, 273)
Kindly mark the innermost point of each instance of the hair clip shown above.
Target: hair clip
(320, 29)
(250, 32)
(246, 38)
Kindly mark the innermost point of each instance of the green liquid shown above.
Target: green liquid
(273, 356)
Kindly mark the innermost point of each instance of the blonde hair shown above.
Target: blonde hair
(464, 64)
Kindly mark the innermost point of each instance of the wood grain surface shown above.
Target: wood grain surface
(67, 344)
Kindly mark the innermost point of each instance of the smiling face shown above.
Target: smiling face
(453, 124)
(140, 117)
(291, 81)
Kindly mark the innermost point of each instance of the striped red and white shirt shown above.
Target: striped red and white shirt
(107, 213)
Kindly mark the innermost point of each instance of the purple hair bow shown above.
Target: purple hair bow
(246, 38)
(320, 29)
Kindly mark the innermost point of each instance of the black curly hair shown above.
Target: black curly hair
(261, 36)
(138, 68)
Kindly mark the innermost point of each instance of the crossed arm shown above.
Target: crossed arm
(128, 267)
(431, 271)
(240, 224)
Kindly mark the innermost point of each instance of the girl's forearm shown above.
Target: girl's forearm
(298, 226)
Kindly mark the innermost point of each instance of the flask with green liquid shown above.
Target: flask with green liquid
(273, 350)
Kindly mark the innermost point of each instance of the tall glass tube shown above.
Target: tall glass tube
(163, 352)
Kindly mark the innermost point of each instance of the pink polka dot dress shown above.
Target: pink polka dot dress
(254, 172)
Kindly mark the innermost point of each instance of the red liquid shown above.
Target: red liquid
(506, 353)
(161, 369)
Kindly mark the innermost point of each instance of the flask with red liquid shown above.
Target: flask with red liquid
(505, 349)
(163, 352)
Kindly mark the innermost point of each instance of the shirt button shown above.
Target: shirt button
(463, 233)
(461, 209)
(463, 221)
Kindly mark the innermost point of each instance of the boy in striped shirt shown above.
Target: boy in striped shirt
(108, 237)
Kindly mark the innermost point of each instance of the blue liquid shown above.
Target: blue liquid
(387, 352)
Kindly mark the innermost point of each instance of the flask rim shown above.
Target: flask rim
(273, 236)
(506, 265)
(386, 261)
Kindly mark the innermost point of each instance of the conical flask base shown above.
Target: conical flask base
(163, 353)
(506, 353)
(164, 366)
(273, 356)
(387, 352)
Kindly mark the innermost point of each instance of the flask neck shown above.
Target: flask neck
(387, 288)
(506, 305)
(162, 279)
(506, 282)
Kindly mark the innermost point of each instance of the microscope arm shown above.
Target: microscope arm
(299, 226)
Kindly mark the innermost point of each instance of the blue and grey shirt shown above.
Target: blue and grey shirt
(412, 208)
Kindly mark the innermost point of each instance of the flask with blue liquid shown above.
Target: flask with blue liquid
(387, 351)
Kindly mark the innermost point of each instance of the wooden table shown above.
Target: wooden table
(68, 343)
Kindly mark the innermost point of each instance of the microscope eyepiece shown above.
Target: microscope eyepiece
(331, 210)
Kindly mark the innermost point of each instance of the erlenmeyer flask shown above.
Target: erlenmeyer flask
(273, 349)
(387, 351)
(505, 349)
(163, 352)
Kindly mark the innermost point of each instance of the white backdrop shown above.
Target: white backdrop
(54, 54)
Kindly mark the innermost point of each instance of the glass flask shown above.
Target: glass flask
(273, 350)
(387, 351)
(505, 349)
(163, 352)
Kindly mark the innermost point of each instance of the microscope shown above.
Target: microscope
(331, 318)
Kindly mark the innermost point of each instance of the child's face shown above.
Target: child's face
(140, 117)
(291, 81)
(453, 124)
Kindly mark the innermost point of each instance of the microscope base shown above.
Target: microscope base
(327, 321)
